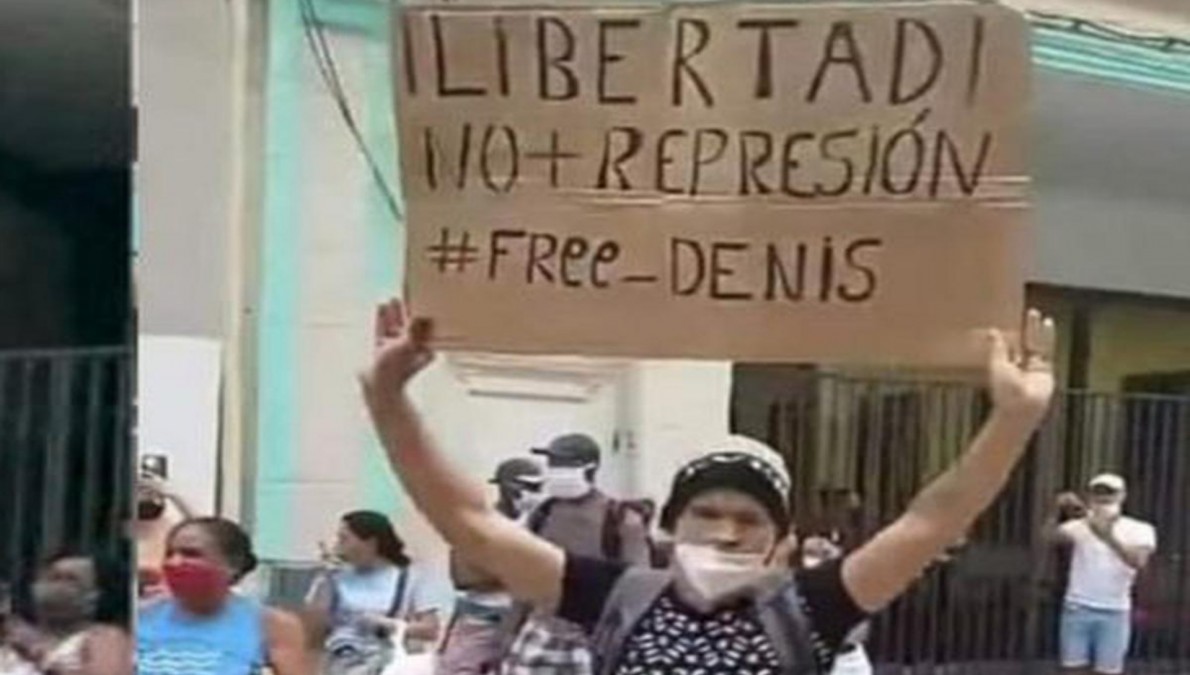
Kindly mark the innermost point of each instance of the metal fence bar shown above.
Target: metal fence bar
(20, 459)
(91, 433)
(55, 480)
(122, 465)
(65, 477)
(998, 601)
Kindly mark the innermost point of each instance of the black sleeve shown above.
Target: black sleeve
(586, 585)
(832, 612)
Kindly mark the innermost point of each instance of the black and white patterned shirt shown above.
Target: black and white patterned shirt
(673, 638)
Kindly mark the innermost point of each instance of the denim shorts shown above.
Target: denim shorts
(1095, 638)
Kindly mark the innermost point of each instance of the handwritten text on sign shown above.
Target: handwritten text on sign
(812, 183)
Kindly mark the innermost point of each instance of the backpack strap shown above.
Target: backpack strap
(637, 589)
(785, 622)
(612, 543)
(611, 540)
(779, 607)
(448, 631)
(394, 610)
(331, 579)
(539, 515)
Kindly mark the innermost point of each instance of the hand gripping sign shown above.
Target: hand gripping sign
(794, 182)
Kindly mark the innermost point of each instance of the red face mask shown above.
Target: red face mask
(197, 582)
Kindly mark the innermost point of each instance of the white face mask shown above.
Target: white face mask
(716, 576)
(527, 501)
(567, 482)
(1106, 510)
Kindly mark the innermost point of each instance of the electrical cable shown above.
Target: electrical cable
(324, 59)
(1111, 33)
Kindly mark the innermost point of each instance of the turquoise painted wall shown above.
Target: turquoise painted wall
(280, 375)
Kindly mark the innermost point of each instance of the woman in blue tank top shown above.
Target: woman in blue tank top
(203, 627)
(361, 603)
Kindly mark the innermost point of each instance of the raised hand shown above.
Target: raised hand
(1022, 380)
(1101, 526)
(401, 349)
(152, 486)
(1070, 501)
(327, 557)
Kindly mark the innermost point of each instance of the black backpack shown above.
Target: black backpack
(611, 537)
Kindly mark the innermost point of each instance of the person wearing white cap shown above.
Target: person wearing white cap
(723, 606)
(1108, 549)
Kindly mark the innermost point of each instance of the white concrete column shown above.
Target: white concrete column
(677, 408)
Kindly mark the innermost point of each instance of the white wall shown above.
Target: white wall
(678, 407)
(184, 168)
(177, 384)
(1121, 224)
(199, 92)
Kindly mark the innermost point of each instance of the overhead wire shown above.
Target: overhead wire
(324, 59)
(1110, 32)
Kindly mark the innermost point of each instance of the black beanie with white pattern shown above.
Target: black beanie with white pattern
(730, 470)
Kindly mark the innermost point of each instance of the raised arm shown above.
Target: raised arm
(1021, 389)
(1134, 556)
(160, 487)
(1052, 531)
(185, 510)
(468, 577)
(529, 568)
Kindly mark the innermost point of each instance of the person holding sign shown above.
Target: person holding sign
(722, 606)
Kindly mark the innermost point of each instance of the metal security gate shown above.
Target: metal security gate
(992, 605)
(65, 455)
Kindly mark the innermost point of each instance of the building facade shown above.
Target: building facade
(266, 229)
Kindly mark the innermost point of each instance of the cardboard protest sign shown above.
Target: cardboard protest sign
(789, 182)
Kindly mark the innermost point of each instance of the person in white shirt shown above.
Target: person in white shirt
(1108, 549)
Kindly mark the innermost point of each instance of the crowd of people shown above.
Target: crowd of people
(727, 602)
(554, 576)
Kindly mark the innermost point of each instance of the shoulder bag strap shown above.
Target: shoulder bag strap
(633, 595)
(399, 596)
(612, 541)
(788, 627)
